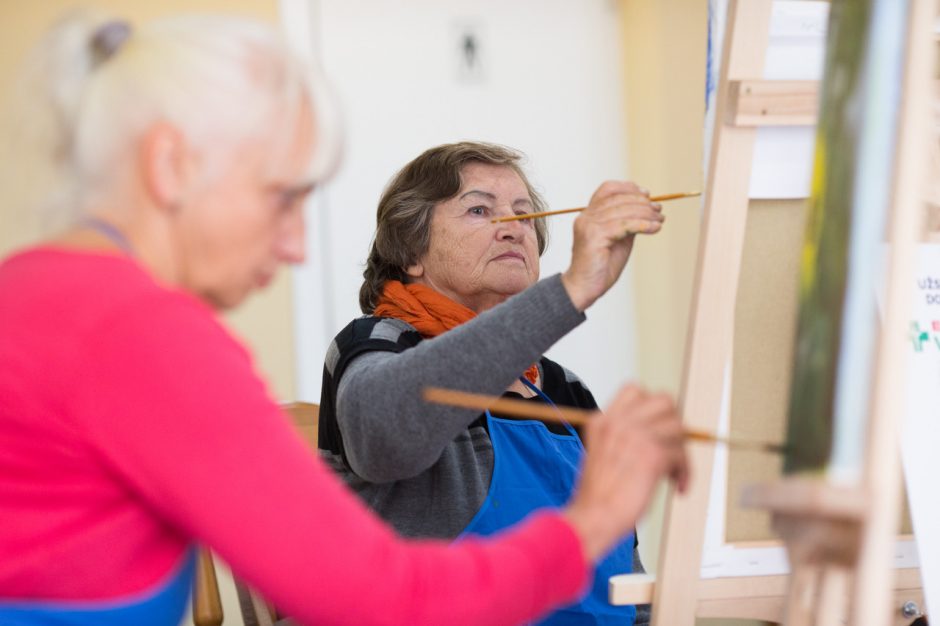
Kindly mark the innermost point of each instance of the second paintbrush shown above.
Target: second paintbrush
(529, 216)
(574, 416)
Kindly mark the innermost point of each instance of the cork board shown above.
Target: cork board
(765, 323)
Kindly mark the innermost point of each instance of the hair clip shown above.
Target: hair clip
(108, 38)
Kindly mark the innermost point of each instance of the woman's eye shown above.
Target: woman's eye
(477, 210)
(289, 200)
(283, 201)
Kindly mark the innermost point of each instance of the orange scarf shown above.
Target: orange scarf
(428, 311)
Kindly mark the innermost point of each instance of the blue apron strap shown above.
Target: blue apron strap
(549, 402)
(534, 467)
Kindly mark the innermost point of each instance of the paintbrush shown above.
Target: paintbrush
(523, 408)
(529, 216)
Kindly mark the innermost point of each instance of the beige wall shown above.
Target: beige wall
(665, 48)
(664, 59)
(266, 321)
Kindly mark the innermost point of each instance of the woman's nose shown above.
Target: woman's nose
(291, 245)
(513, 231)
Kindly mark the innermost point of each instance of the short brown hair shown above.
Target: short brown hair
(403, 219)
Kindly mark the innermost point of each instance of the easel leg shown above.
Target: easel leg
(833, 596)
(802, 595)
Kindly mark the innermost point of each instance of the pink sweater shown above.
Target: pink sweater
(132, 423)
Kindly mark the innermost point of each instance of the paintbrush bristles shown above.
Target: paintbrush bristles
(740, 444)
(529, 216)
(522, 408)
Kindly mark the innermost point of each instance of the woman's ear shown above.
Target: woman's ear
(164, 164)
(415, 271)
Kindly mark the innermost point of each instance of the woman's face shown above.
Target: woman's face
(471, 260)
(236, 229)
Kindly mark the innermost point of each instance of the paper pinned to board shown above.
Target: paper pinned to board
(783, 156)
(921, 411)
(782, 162)
(921, 430)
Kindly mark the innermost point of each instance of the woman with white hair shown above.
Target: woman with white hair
(132, 424)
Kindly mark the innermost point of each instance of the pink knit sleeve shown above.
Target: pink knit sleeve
(172, 405)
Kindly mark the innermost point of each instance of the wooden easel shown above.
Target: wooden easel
(834, 536)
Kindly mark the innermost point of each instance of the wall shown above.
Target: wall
(664, 62)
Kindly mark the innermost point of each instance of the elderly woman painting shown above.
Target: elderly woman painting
(453, 300)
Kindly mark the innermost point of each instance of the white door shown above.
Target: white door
(541, 76)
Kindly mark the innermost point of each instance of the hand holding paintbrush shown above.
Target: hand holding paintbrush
(604, 235)
(629, 448)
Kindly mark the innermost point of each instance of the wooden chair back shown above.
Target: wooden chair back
(207, 602)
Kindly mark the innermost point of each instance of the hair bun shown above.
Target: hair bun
(108, 38)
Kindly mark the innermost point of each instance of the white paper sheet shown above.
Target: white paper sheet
(920, 439)
(783, 156)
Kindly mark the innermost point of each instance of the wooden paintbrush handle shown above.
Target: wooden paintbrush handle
(522, 408)
(529, 216)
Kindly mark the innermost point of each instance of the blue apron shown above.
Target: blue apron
(162, 606)
(534, 468)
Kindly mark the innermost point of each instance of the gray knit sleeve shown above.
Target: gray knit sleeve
(390, 433)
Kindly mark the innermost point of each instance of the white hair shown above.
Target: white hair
(95, 84)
